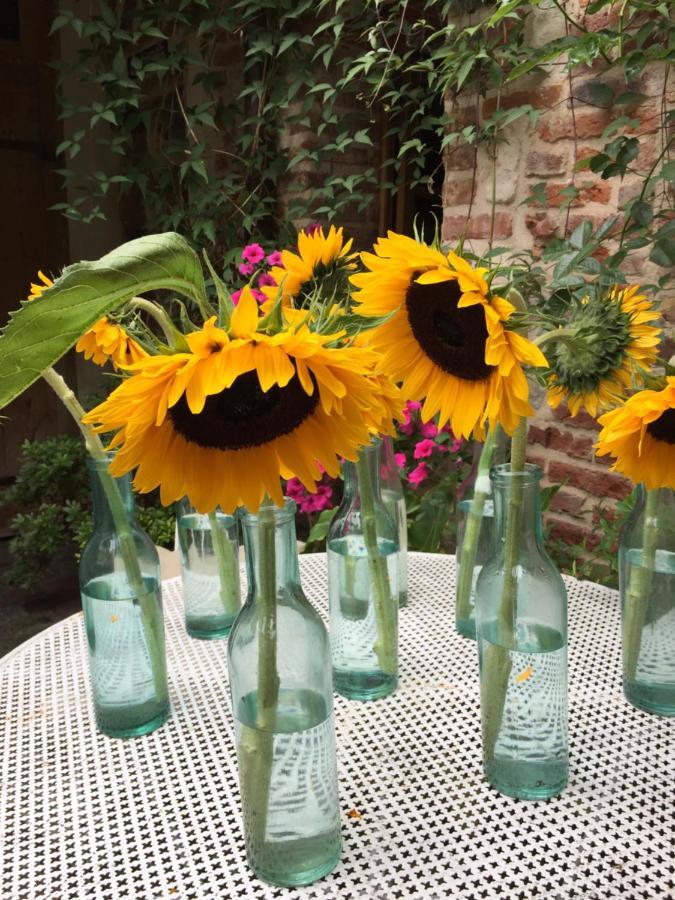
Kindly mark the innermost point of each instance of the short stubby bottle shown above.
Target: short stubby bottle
(121, 600)
(282, 701)
(647, 584)
(394, 500)
(209, 556)
(363, 585)
(521, 628)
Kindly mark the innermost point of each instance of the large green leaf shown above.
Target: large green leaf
(42, 330)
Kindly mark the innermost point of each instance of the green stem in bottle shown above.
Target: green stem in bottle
(256, 749)
(145, 599)
(640, 579)
(228, 565)
(386, 646)
(496, 660)
(474, 522)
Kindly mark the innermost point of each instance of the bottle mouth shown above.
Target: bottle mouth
(503, 474)
(100, 465)
(281, 514)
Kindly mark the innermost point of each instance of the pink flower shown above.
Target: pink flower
(253, 253)
(406, 427)
(456, 446)
(274, 259)
(245, 268)
(308, 502)
(424, 448)
(312, 229)
(259, 296)
(399, 459)
(264, 279)
(236, 295)
(419, 474)
(429, 429)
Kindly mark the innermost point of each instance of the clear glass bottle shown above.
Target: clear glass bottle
(209, 557)
(647, 583)
(121, 599)
(282, 701)
(394, 500)
(475, 526)
(521, 627)
(362, 550)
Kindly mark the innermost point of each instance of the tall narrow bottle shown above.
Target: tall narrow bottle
(476, 526)
(521, 627)
(282, 700)
(394, 500)
(363, 585)
(647, 582)
(121, 599)
(209, 556)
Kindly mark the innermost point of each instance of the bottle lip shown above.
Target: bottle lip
(504, 474)
(282, 514)
(100, 465)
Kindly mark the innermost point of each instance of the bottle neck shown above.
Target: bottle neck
(517, 499)
(390, 477)
(98, 473)
(363, 476)
(271, 549)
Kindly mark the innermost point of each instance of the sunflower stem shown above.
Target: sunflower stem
(173, 337)
(123, 530)
(557, 334)
(228, 566)
(639, 587)
(386, 647)
(474, 523)
(256, 747)
(496, 660)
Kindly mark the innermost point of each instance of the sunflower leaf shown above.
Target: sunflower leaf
(43, 330)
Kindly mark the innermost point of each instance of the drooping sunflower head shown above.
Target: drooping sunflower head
(641, 436)
(612, 343)
(224, 422)
(446, 337)
(323, 262)
(107, 340)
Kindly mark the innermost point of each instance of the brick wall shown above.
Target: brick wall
(569, 129)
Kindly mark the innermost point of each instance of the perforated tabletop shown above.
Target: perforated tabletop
(85, 817)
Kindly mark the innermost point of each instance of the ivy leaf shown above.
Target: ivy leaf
(641, 213)
(43, 330)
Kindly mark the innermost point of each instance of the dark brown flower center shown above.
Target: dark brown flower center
(663, 428)
(244, 415)
(452, 338)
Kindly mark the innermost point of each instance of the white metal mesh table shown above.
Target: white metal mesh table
(84, 816)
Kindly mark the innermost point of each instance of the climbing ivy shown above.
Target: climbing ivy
(231, 119)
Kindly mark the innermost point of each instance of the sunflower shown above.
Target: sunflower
(103, 341)
(445, 337)
(321, 258)
(612, 344)
(641, 435)
(225, 421)
(107, 341)
(37, 289)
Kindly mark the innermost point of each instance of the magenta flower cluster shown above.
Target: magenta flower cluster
(256, 260)
(310, 503)
(431, 442)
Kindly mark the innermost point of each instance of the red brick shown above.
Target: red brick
(570, 533)
(545, 163)
(585, 152)
(588, 192)
(581, 420)
(541, 225)
(537, 460)
(457, 192)
(568, 501)
(564, 441)
(479, 226)
(594, 481)
(542, 97)
(589, 124)
(461, 156)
